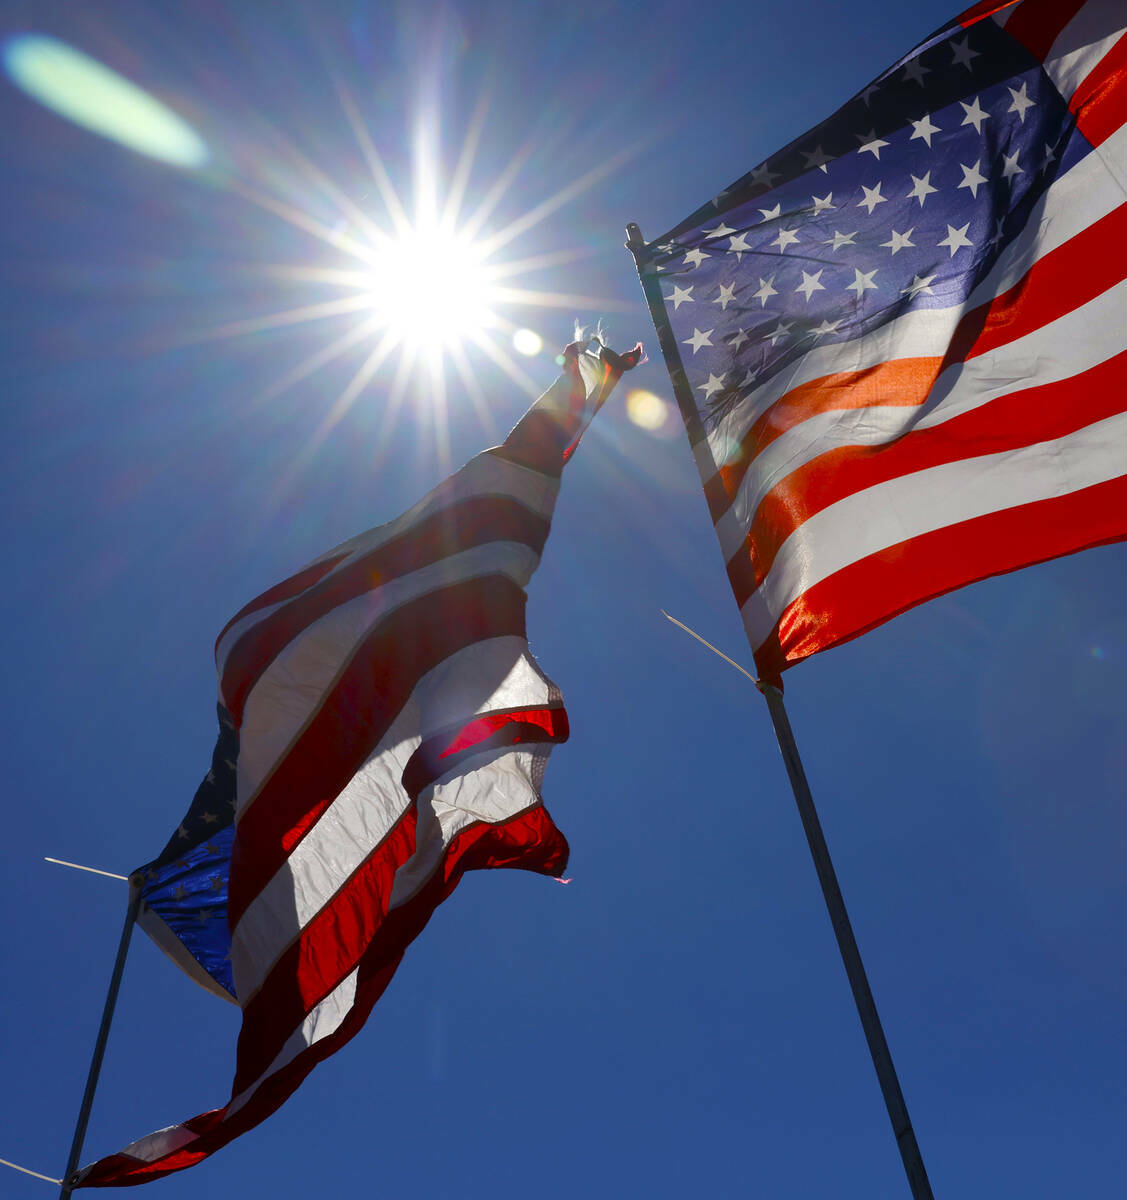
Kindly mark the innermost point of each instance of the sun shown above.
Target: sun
(432, 289)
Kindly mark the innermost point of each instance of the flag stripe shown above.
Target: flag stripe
(1098, 101)
(473, 522)
(409, 642)
(1037, 24)
(876, 588)
(1010, 423)
(1082, 43)
(889, 513)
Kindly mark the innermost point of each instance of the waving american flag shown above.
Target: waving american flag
(904, 334)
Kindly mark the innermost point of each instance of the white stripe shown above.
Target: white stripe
(293, 686)
(491, 675)
(1083, 42)
(156, 1145)
(1074, 343)
(486, 475)
(912, 505)
(499, 785)
(325, 1019)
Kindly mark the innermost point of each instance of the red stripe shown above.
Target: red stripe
(1036, 24)
(902, 382)
(1011, 422)
(322, 954)
(285, 590)
(529, 841)
(1100, 102)
(357, 713)
(982, 10)
(475, 521)
(1067, 277)
(873, 590)
(444, 751)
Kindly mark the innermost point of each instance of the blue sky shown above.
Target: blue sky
(676, 1021)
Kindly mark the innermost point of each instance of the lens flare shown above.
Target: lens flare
(527, 342)
(78, 87)
(647, 411)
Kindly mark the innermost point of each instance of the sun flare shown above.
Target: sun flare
(432, 290)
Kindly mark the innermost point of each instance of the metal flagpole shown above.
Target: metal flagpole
(823, 865)
(103, 1036)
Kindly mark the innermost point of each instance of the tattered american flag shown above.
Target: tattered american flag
(904, 334)
(383, 729)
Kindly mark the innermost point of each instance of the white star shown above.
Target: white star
(976, 114)
(872, 198)
(721, 230)
(726, 296)
(204, 915)
(869, 141)
(922, 188)
(765, 290)
(769, 214)
(762, 175)
(841, 239)
(821, 203)
(825, 327)
(915, 70)
(780, 331)
(900, 240)
(810, 284)
(921, 285)
(787, 237)
(999, 236)
(972, 179)
(750, 376)
(181, 832)
(696, 257)
(817, 158)
(923, 128)
(736, 342)
(715, 384)
(699, 339)
(956, 238)
(862, 282)
(680, 295)
(210, 777)
(179, 891)
(1021, 101)
(737, 245)
(211, 848)
(1050, 157)
(1011, 168)
(864, 96)
(962, 53)
(208, 818)
(216, 883)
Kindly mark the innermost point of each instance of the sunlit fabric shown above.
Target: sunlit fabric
(384, 728)
(905, 332)
(83, 90)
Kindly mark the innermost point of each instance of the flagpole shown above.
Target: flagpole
(103, 1036)
(823, 865)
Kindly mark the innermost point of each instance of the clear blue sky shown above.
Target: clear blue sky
(675, 1022)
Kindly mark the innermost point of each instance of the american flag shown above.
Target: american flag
(904, 333)
(383, 729)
